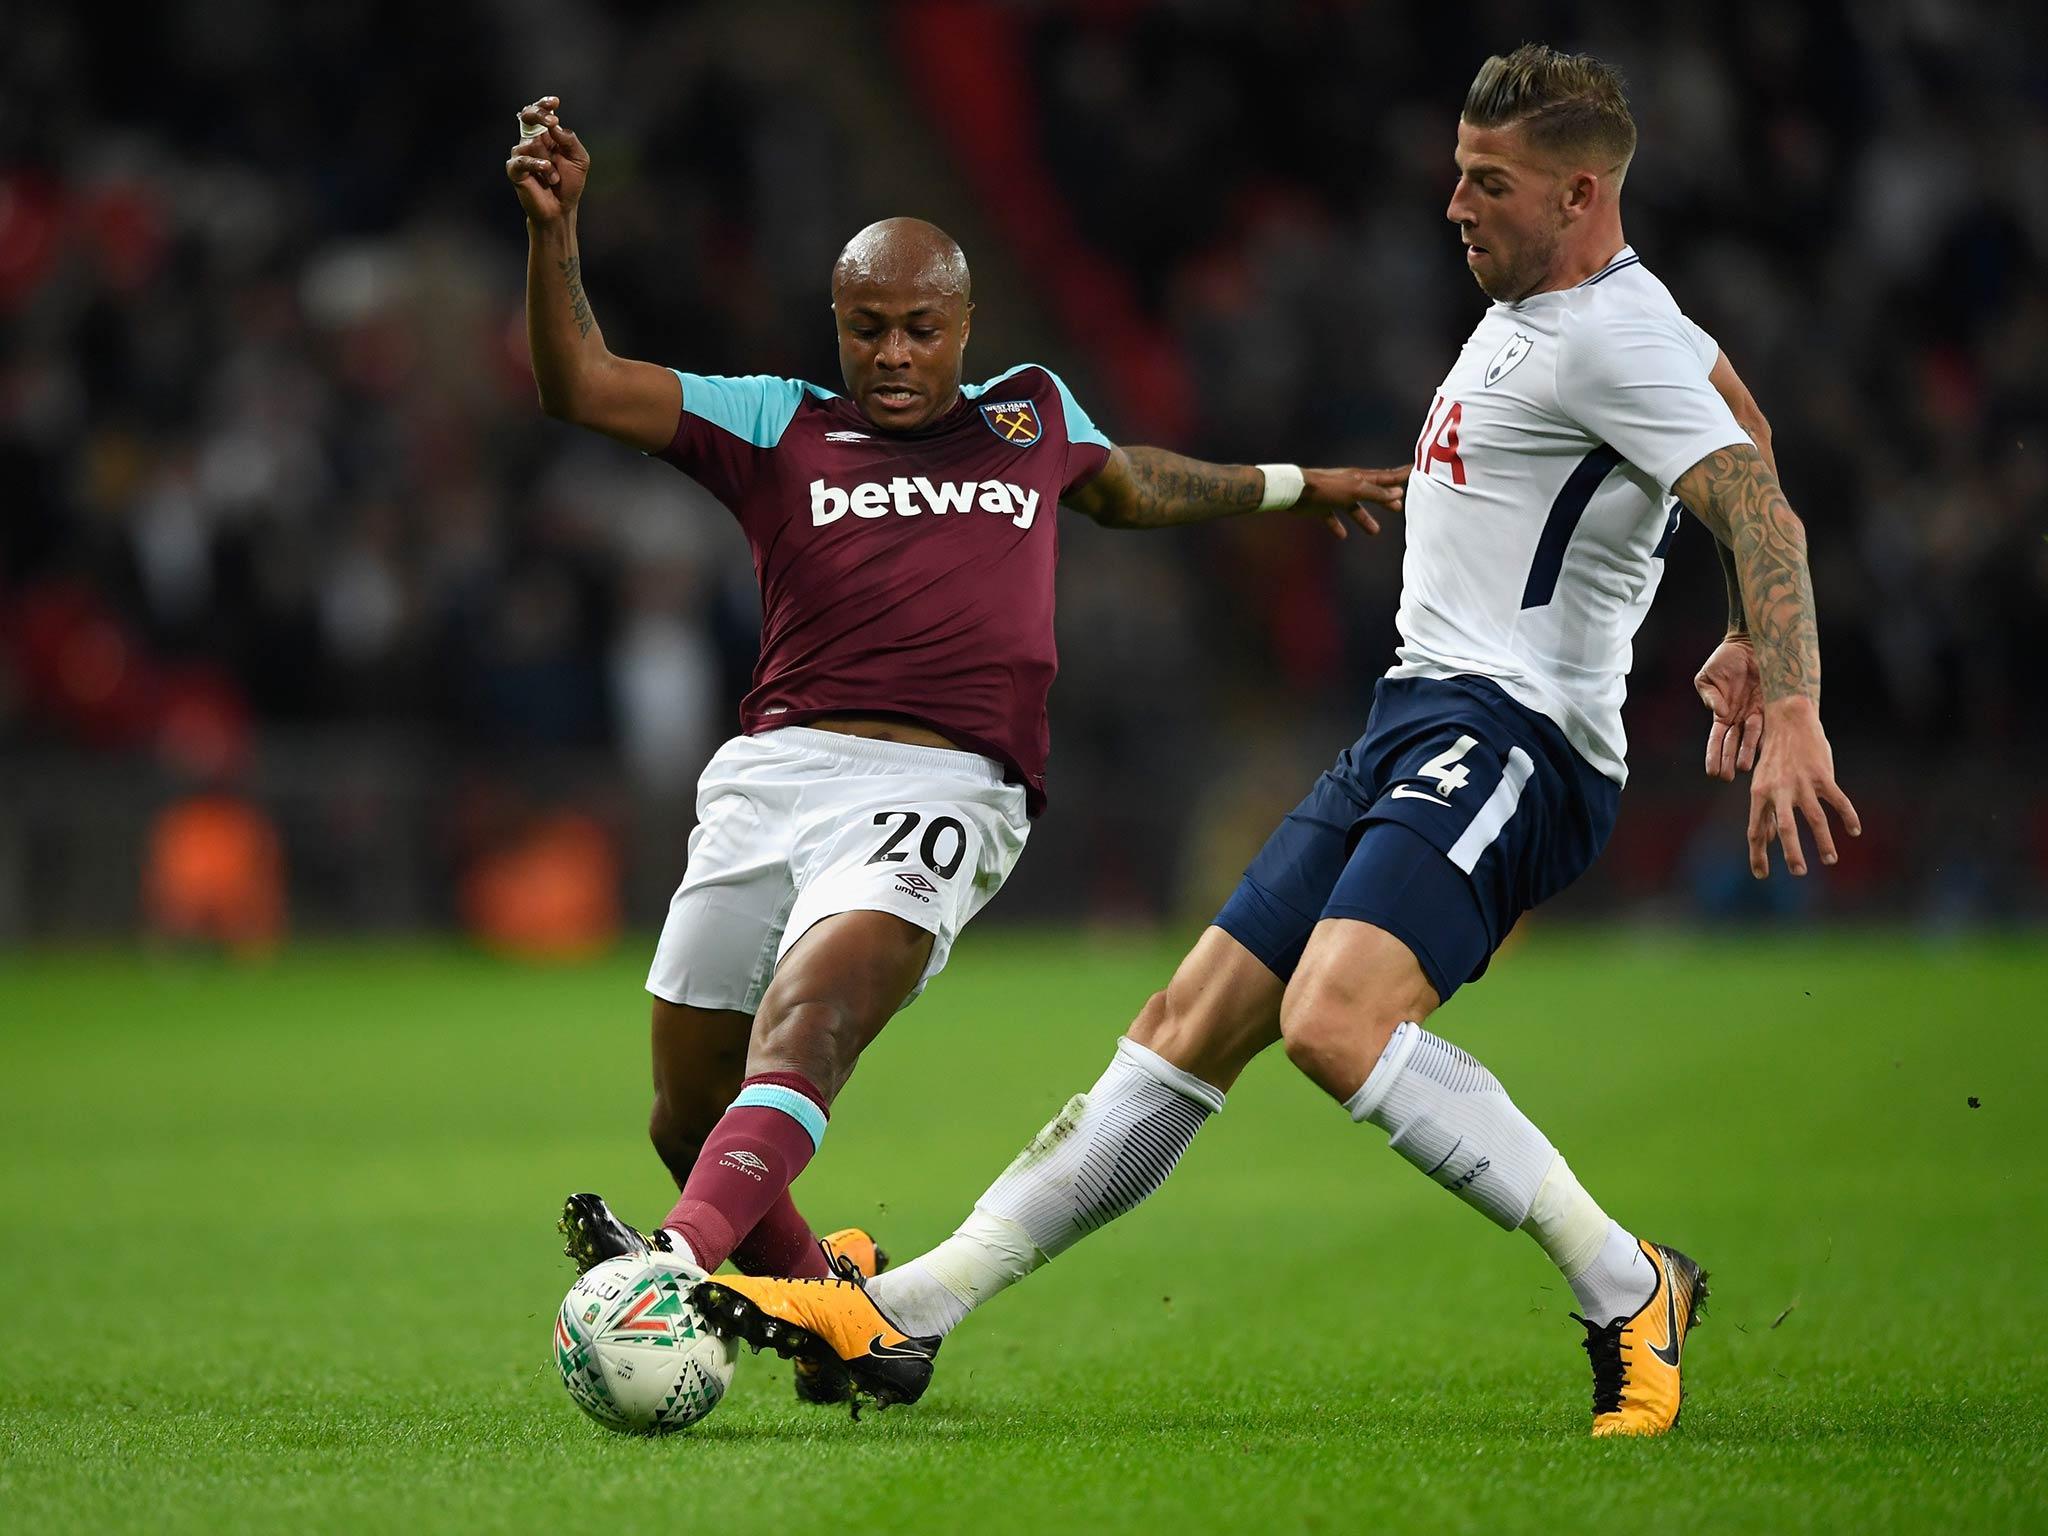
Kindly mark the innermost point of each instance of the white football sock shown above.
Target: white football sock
(670, 1243)
(1100, 1157)
(934, 1292)
(1601, 1259)
(1448, 1116)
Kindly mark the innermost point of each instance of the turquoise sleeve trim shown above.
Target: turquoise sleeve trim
(791, 1103)
(1079, 428)
(758, 408)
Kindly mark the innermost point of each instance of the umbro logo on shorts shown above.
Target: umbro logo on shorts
(916, 885)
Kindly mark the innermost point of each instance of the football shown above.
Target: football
(633, 1352)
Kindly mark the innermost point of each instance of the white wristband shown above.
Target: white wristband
(1283, 486)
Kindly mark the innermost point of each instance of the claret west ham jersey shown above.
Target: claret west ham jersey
(906, 574)
(1539, 510)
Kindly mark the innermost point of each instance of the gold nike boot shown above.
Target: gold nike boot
(854, 1255)
(833, 1324)
(1635, 1361)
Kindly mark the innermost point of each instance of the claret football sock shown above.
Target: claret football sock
(782, 1243)
(1450, 1117)
(1098, 1158)
(749, 1160)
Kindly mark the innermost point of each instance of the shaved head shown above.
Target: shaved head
(902, 305)
(904, 254)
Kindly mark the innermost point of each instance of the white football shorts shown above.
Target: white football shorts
(797, 825)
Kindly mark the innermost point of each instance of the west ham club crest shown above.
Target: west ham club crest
(1014, 421)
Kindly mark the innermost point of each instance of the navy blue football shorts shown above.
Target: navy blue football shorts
(1456, 812)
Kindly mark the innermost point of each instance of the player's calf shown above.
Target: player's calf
(699, 1058)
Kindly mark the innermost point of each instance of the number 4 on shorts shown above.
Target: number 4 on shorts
(1446, 768)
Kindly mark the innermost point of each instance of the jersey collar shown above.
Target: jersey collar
(1625, 257)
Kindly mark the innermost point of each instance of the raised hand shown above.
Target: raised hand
(1337, 494)
(1795, 778)
(549, 165)
(1731, 685)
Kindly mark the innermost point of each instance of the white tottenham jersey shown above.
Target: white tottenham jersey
(1539, 507)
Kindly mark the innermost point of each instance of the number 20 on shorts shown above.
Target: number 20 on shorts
(935, 843)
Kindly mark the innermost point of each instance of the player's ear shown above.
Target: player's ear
(966, 325)
(1581, 192)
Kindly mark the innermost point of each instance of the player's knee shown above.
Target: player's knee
(1334, 1032)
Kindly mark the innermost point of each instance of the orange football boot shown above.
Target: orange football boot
(1635, 1361)
(833, 1324)
(853, 1255)
(854, 1246)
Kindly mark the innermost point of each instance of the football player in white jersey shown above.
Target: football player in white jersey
(1580, 416)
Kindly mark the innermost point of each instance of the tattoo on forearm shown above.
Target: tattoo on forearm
(1168, 489)
(1739, 498)
(1738, 620)
(579, 302)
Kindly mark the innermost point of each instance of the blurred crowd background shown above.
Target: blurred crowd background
(310, 621)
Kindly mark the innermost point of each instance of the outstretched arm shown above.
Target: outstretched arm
(580, 380)
(1735, 492)
(1151, 488)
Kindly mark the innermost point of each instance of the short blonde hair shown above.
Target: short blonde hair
(1567, 104)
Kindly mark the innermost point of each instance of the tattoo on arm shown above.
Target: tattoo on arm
(1738, 620)
(1733, 492)
(1161, 489)
(579, 301)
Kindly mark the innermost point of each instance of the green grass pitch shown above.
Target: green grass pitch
(277, 1251)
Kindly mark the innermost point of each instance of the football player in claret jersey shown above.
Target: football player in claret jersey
(893, 748)
(1547, 484)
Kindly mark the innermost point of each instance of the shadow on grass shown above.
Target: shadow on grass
(1988, 1425)
(1267, 1423)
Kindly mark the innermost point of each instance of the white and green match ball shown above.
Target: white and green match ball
(633, 1352)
